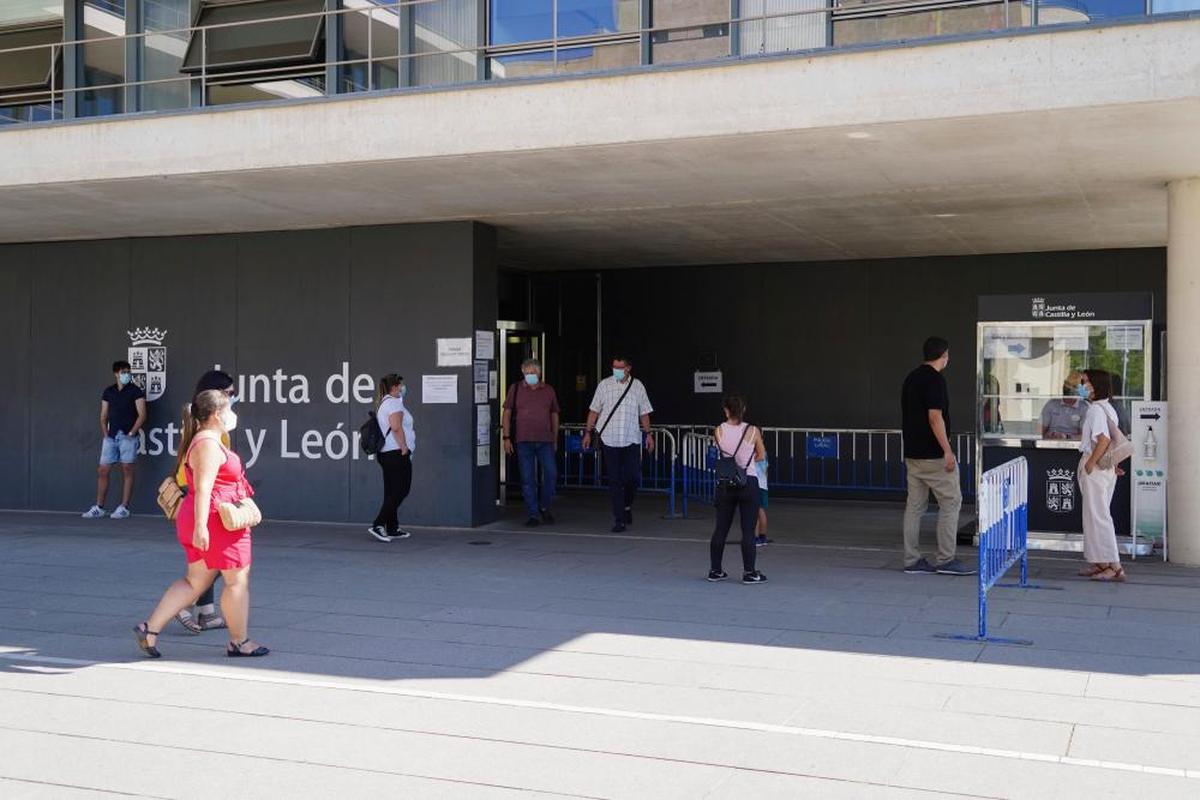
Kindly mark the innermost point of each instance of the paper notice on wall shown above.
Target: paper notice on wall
(483, 455)
(439, 389)
(485, 345)
(1124, 337)
(481, 393)
(481, 371)
(483, 424)
(454, 352)
(493, 385)
(1072, 337)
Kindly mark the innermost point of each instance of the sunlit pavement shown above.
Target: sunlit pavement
(565, 661)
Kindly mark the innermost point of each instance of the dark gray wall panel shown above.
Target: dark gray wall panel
(187, 286)
(80, 318)
(15, 271)
(812, 345)
(409, 286)
(293, 315)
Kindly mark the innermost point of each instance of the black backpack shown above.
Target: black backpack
(371, 439)
(729, 474)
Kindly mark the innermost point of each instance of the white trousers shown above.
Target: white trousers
(1099, 533)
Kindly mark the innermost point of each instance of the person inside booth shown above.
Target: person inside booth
(1062, 417)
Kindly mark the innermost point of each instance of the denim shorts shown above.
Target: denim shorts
(121, 448)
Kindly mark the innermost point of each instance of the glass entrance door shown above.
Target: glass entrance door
(518, 342)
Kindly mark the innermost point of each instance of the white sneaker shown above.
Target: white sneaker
(95, 512)
(120, 512)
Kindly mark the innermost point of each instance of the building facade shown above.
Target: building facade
(797, 191)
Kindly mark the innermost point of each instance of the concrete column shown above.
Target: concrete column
(1183, 367)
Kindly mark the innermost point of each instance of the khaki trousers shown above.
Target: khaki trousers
(1099, 533)
(927, 475)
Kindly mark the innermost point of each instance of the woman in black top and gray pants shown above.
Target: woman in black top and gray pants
(743, 442)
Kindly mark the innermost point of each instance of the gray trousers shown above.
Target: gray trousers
(927, 475)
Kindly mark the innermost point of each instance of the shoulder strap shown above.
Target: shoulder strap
(195, 441)
(741, 441)
(614, 408)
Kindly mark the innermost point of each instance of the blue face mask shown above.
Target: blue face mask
(233, 398)
(403, 391)
(124, 378)
(619, 374)
(531, 379)
(1082, 391)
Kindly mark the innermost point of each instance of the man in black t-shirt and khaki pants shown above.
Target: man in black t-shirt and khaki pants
(930, 463)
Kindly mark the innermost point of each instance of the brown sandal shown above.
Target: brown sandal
(1090, 570)
(1111, 574)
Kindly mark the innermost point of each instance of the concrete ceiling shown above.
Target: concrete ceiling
(1078, 179)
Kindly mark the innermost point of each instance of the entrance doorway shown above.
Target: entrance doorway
(518, 341)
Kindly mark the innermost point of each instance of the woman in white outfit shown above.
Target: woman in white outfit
(1096, 486)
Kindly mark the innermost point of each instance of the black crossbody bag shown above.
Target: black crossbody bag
(730, 476)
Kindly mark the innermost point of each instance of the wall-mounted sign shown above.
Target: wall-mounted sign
(1066, 307)
(454, 352)
(1124, 337)
(439, 389)
(485, 345)
(708, 382)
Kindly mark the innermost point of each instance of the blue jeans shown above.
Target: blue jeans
(529, 455)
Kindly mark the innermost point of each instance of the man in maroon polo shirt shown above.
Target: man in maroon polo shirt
(533, 406)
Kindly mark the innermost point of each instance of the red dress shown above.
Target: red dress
(226, 549)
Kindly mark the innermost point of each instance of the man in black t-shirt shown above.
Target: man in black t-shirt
(122, 415)
(930, 462)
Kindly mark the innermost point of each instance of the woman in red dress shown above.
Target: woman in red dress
(215, 475)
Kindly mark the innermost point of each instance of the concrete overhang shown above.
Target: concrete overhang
(1054, 140)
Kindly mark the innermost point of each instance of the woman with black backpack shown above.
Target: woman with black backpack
(740, 445)
(394, 456)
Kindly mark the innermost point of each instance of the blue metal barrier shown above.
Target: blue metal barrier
(867, 462)
(1003, 507)
(851, 461)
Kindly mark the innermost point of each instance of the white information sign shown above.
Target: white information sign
(454, 352)
(483, 424)
(481, 393)
(439, 389)
(481, 371)
(1148, 472)
(1124, 337)
(1074, 337)
(707, 382)
(483, 455)
(485, 345)
(493, 385)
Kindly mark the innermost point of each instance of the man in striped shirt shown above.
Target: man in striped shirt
(623, 410)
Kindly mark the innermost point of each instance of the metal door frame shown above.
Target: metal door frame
(538, 336)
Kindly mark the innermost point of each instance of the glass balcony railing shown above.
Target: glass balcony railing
(239, 51)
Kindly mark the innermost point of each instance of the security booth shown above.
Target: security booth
(1030, 351)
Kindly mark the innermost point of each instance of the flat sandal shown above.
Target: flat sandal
(1090, 570)
(142, 632)
(234, 650)
(1117, 576)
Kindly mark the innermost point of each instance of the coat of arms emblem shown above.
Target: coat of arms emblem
(148, 361)
(1060, 491)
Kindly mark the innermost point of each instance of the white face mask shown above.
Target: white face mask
(228, 420)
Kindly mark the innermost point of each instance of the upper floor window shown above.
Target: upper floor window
(238, 35)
